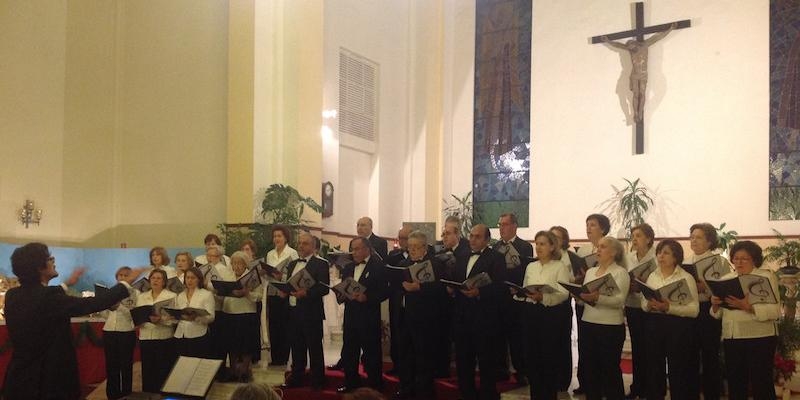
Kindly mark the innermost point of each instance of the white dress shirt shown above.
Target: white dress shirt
(200, 299)
(657, 280)
(472, 260)
(740, 324)
(547, 274)
(609, 310)
(165, 328)
(633, 300)
(359, 269)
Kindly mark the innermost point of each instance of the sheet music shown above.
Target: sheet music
(511, 255)
(191, 376)
(758, 289)
(422, 272)
(712, 267)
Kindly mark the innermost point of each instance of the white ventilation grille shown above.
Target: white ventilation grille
(358, 96)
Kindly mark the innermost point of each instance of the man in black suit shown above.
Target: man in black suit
(418, 313)
(306, 314)
(364, 230)
(517, 253)
(477, 316)
(396, 257)
(362, 317)
(44, 364)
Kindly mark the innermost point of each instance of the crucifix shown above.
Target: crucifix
(637, 48)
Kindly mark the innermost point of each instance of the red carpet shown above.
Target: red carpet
(446, 388)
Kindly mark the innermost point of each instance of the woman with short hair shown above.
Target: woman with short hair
(275, 315)
(192, 330)
(155, 335)
(642, 251)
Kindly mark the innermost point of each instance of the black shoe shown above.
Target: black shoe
(578, 390)
(631, 396)
(392, 372)
(503, 376)
(345, 389)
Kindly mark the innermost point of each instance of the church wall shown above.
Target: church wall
(117, 124)
(706, 132)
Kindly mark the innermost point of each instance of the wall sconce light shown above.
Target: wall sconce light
(28, 214)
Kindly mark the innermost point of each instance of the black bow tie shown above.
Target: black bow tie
(361, 263)
(303, 260)
(475, 253)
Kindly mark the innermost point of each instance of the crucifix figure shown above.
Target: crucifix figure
(637, 48)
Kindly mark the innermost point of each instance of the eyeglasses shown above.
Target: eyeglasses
(51, 258)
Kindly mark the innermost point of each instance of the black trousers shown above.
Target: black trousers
(750, 361)
(443, 330)
(581, 373)
(278, 316)
(306, 339)
(194, 347)
(362, 336)
(563, 364)
(218, 336)
(603, 351)
(512, 342)
(635, 318)
(118, 350)
(417, 344)
(476, 342)
(158, 357)
(708, 331)
(667, 337)
(395, 310)
(543, 351)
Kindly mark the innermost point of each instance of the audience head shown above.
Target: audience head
(255, 391)
(402, 237)
(563, 236)
(360, 248)
(597, 226)
(507, 224)
(669, 251)
(281, 236)
(364, 227)
(642, 237)
(703, 238)
(159, 256)
(745, 256)
(479, 237)
(33, 264)
(364, 393)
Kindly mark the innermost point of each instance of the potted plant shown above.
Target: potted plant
(462, 208)
(629, 205)
(788, 343)
(726, 237)
(787, 254)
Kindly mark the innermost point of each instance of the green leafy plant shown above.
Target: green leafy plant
(462, 208)
(788, 338)
(629, 204)
(726, 237)
(786, 251)
(283, 204)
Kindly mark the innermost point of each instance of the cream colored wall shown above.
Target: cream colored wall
(706, 139)
(117, 122)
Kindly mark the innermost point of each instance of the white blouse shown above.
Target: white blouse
(200, 299)
(609, 310)
(740, 324)
(657, 280)
(547, 274)
(633, 299)
(120, 320)
(165, 327)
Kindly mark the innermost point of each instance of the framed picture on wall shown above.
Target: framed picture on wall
(327, 199)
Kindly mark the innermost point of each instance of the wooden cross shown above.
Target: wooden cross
(638, 47)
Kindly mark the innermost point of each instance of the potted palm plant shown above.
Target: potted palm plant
(629, 205)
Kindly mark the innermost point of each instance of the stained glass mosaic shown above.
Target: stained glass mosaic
(502, 131)
(784, 119)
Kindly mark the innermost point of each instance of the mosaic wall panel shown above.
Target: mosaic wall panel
(784, 119)
(502, 131)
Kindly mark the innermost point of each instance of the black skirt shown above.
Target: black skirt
(243, 336)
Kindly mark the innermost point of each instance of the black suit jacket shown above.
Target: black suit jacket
(374, 279)
(484, 310)
(396, 256)
(310, 307)
(422, 307)
(525, 250)
(379, 244)
(44, 364)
